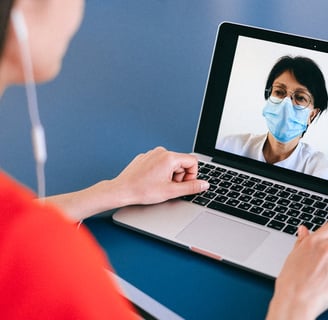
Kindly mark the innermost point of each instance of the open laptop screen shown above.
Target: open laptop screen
(232, 119)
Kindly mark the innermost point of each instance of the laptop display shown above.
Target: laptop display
(235, 98)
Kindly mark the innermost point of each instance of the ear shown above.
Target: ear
(313, 114)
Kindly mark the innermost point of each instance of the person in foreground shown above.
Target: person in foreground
(52, 270)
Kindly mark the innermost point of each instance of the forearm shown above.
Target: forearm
(102, 196)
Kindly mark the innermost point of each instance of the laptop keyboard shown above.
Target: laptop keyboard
(261, 201)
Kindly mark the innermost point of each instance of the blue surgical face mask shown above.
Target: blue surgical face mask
(285, 122)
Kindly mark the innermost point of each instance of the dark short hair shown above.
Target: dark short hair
(306, 72)
(5, 8)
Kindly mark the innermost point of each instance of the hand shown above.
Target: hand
(153, 177)
(301, 290)
(159, 175)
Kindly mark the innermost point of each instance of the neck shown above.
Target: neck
(275, 151)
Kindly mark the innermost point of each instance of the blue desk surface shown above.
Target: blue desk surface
(133, 79)
(193, 286)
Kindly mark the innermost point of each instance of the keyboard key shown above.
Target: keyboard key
(244, 206)
(221, 190)
(248, 191)
(277, 225)
(256, 210)
(236, 187)
(201, 201)
(260, 187)
(233, 202)
(210, 166)
(212, 187)
(256, 202)
(214, 181)
(226, 177)
(203, 176)
(188, 197)
(293, 213)
(221, 198)
(237, 180)
(321, 213)
(318, 220)
(238, 213)
(303, 194)
(307, 201)
(214, 173)
(308, 209)
(260, 194)
(295, 205)
(315, 197)
(268, 213)
(281, 217)
(225, 184)
(305, 217)
(272, 190)
(280, 209)
(271, 198)
(248, 183)
(290, 229)
(244, 176)
(293, 221)
(320, 205)
(283, 194)
(233, 194)
(204, 170)
(283, 202)
(291, 190)
(210, 195)
(244, 197)
(268, 205)
(295, 197)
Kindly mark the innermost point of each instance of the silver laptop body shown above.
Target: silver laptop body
(256, 238)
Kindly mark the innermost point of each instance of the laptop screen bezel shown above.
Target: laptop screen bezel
(215, 94)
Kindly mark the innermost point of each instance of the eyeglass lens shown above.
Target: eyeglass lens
(299, 97)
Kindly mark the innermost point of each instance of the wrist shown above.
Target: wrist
(289, 306)
(111, 194)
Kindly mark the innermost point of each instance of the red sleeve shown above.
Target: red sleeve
(49, 268)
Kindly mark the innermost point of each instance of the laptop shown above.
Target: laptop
(250, 215)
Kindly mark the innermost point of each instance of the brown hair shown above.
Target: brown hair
(5, 8)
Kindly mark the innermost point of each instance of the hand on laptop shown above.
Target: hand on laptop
(301, 290)
(159, 175)
(152, 177)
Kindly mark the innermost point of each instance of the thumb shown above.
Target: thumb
(190, 187)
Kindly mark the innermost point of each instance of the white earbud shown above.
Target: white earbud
(38, 135)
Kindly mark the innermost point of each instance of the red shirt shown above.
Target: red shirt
(49, 269)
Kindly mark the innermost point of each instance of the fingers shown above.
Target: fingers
(188, 187)
(302, 233)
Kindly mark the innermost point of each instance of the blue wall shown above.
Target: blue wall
(133, 78)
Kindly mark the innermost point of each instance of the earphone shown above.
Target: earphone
(38, 135)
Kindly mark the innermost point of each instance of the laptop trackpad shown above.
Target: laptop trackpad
(222, 236)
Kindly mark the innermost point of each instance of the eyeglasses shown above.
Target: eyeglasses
(301, 98)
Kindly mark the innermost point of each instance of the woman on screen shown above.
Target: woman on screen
(295, 94)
